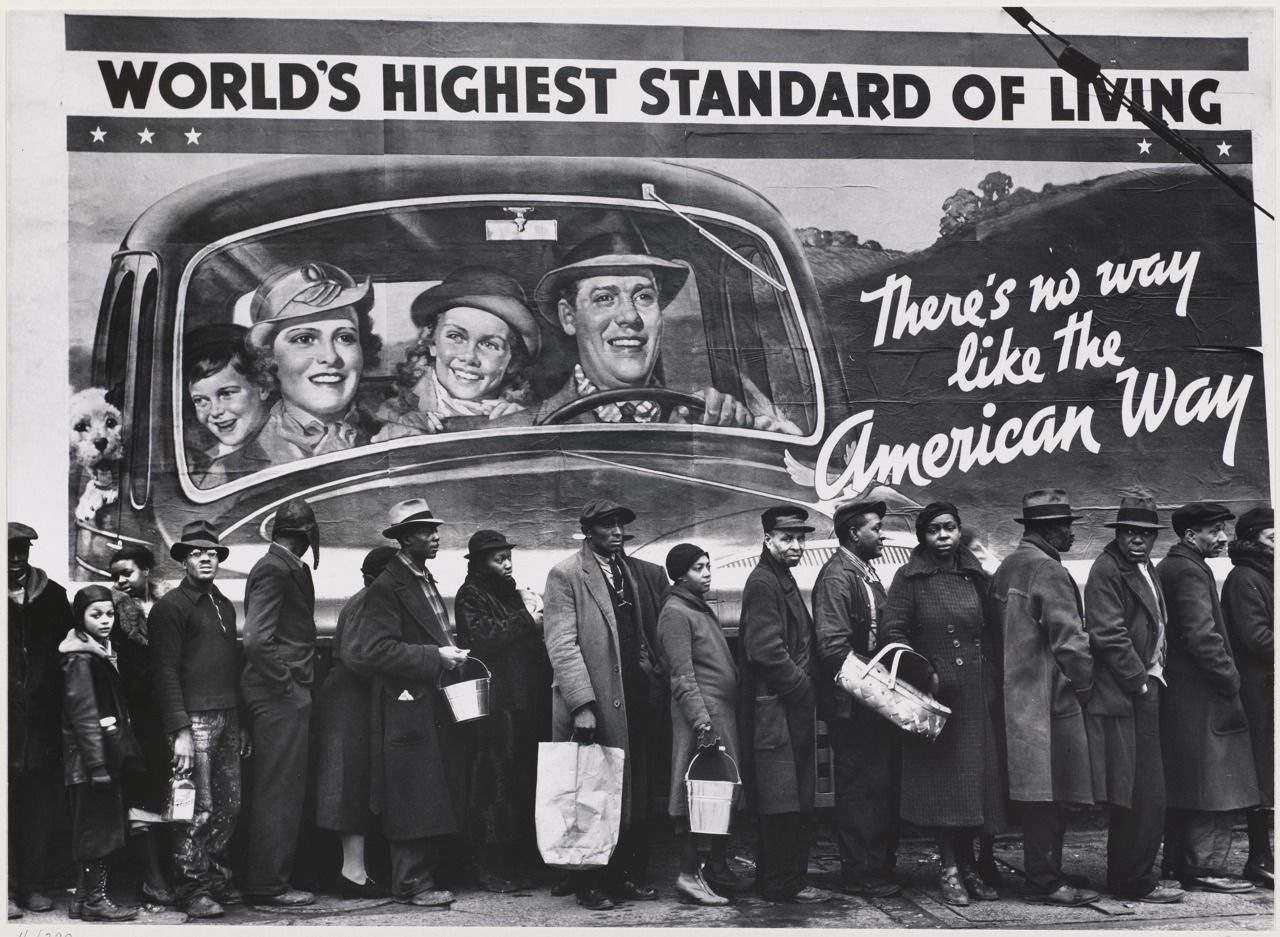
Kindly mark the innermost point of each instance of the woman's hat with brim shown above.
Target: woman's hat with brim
(613, 254)
(1046, 504)
(486, 289)
(1137, 512)
(294, 294)
(409, 514)
(198, 535)
(483, 541)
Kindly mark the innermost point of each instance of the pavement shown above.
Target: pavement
(919, 906)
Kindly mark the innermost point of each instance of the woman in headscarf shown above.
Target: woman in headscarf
(502, 625)
(937, 605)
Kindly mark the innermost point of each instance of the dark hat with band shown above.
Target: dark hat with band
(1137, 511)
(410, 513)
(482, 541)
(618, 253)
(1046, 504)
(198, 535)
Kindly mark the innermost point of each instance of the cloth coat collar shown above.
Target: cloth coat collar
(75, 643)
(780, 570)
(299, 570)
(408, 586)
(1186, 552)
(37, 579)
(1042, 545)
(1131, 576)
(193, 595)
(686, 595)
(596, 586)
(922, 563)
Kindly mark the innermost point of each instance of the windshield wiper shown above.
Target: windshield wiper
(649, 192)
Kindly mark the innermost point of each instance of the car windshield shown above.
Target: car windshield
(398, 324)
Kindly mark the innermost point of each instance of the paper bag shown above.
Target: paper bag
(578, 808)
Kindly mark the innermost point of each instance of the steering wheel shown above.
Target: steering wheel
(667, 400)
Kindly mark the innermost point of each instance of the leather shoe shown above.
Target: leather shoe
(976, 887)
(14, 911)
(1225, 884)
(160, 897)
(1260, 875)
(1161, 895)
(953, 890)
(693, 888)
(989, 872)
(291, 898)
(722, 878)
(369, 888)
(1076, 881)
(593, 899)
(228, 895)
(869, 886)
(435, 898)
(1066, 896)
(630, 891)
(811, 895)
(500, 884)
(202, 906)
(561, 888)
(38, 901)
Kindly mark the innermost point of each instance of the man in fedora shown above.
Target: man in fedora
(1126, 620)
(1045, 646)
(779, 724)
(39, 618)
(601, 609)
(279, 648)
(848, 601)
(193, 645)
(1204, 732)
(418, 771)
(608, 294)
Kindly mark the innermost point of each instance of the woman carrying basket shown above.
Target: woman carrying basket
(937, 606)
(704, 690)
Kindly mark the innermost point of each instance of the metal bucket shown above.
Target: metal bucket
(469, 699)
(711, 802)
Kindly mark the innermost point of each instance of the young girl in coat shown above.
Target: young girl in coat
(98, 750)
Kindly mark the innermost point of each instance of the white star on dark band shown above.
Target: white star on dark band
(145, 136)
(1224, 148)
(193, 137)
(99, 135)
(1144, 146)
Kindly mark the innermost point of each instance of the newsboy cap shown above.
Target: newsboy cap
(198, 535)
(785, 518)
(1254, 521)
(487, 289)
(1046, 504)
(296, 517)
(1136, 511)
(307, 291)
(601, 509)
(19, 531)
(847, 513)
(406, 514)
(1198, 514)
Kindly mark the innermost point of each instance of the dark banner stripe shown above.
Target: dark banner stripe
(742, 141)
(143, 34)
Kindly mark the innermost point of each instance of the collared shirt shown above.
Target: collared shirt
(1156, 667)
(867, 574)
(428, 584)
(629, 411)
(308, 435)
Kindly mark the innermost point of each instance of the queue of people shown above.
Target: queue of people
(1149, 693)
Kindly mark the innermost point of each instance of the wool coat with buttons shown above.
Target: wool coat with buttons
(955, 780)
(581, 633)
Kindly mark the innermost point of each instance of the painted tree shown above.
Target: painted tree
(995, 186)
(959, 212)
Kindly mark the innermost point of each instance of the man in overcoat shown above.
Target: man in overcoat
(1204, 734)
(1048, 676)
(779, 725)
(601, 610)
(1126, 621)
(418, 768)
(279, 647)
(39, 618)
(848, 603)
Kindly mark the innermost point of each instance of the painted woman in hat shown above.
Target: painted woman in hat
(476, 337)
(502, 625)
(313, 338)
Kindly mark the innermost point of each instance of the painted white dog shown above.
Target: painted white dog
(97, 446)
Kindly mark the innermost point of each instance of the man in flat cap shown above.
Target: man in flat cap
(401, 639)
(848, 601)
(779, 725)
(601, 609)
(1126, 620)
(1204, 733)
(608, 294)
(39, 618)
(1045, 646)
(279, 648)
(193, 646)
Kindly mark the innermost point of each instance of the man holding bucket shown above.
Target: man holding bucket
(418, 775)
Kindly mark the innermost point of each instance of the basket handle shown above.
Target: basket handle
(900, 648)
(458, 669)
(736, 773)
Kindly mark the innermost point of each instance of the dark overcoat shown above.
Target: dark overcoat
(778, 726)
(1204, 733)
(149, 789)
(842, 616)
(1248, 602)
(581, 634)
(279, 623)
(418, 764)
(1048, 672)
(36, 626)
(1122, 619)
(942, 614)
(697, 662)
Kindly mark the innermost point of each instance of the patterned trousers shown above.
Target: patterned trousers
(200, 847)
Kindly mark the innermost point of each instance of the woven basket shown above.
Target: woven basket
(868, 682)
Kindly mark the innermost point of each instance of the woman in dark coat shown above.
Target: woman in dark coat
(699, 666)
(496, 621)
(342, 717)
(145, 792)
(1248, 602)
(937, 605)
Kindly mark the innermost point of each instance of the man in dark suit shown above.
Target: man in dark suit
(848, 600)
(418, 770)
(1126, 620)
(279, 644)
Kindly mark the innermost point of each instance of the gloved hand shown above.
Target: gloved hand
(706, 736)
(584, 725)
